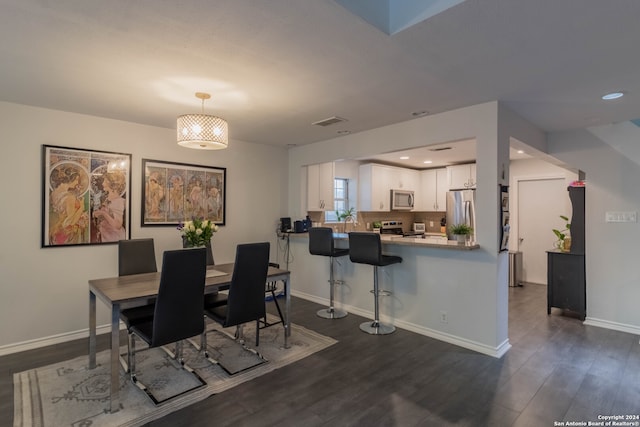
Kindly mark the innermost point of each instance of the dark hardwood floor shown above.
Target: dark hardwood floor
(557, 370)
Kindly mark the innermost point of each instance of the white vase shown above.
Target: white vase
(461, 238)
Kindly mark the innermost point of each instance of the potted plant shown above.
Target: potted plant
(564, 239)
(377, 225)
(461, 231)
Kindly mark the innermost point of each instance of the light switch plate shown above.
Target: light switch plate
(621, 217)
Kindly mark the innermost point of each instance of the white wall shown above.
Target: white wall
(44, 292)
(479, 305)
(612, 184)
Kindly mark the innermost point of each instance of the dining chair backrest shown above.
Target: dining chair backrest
(179, 306)
(246, 292)
(365, 248)
(136, 256)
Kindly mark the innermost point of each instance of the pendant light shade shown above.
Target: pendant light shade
(202, 131)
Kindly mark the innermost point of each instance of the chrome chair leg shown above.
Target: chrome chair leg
(332, 312)
(375, 327)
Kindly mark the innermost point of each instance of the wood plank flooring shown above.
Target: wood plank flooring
(557, 370)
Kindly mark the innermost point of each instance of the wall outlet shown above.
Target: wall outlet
(443, 317)
(621, 217)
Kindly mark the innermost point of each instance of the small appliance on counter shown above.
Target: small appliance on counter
(419, 228)
(302, 226)
(285, 225)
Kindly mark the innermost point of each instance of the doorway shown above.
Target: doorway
(541, 201)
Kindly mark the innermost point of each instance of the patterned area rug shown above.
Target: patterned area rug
(69, 394)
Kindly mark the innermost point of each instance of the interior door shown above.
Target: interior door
(540, 203)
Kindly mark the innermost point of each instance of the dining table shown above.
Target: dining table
(135, 290)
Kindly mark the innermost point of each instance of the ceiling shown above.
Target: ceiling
(275, 67)
(440, 155)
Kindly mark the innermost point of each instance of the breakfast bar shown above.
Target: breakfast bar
(425, 287)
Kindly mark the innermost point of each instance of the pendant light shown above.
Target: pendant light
(202, 131)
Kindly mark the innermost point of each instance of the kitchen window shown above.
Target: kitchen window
(340, 199)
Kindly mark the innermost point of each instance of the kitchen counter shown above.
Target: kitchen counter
(436, 278)
(430, 241)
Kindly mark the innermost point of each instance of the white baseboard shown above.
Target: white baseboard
(51, 340)
(497, 352)
(607, 324)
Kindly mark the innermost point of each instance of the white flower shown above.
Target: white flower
(198, 231)
(204, 223)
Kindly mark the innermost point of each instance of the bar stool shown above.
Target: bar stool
(366, 248)
(321, 243)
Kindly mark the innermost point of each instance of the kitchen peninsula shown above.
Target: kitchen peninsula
(425, 242)
(425, 271)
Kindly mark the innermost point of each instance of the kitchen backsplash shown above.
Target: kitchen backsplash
(430, 219)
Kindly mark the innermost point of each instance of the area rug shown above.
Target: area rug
(70, 394)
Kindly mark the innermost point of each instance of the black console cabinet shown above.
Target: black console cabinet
(566, 282)
(566, 276)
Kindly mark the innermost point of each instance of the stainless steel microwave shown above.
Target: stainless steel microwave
(402, 200)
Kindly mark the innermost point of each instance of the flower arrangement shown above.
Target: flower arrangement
(197, 232)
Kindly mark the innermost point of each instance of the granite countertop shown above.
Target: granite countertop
(388, 239)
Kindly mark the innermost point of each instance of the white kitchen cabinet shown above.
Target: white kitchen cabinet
(374, 185)
(405, 179)
(320, 182)
(376, 182)
(433, 190)
(462, 176)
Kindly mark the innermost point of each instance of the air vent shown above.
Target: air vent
(330, 121)
(440, 149)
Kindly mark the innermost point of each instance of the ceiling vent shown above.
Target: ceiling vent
(440, 149)
(330, 121)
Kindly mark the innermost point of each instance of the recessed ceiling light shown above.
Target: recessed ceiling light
(404, 158)
(427, 162)
(612, 95)
(520, 152)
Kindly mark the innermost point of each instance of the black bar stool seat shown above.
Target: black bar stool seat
(321, 243)
(366, 248)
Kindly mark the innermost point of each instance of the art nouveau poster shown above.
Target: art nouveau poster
(85, 196)
(176, 192)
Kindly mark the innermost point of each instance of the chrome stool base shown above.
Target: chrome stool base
(331, 313)
(377, 328)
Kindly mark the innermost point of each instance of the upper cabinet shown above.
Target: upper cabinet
(461, 176)
(320, 182)
(373, 188)
(433, 193)
(376, 182)
(404, 179)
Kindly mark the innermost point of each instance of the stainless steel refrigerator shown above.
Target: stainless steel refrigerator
(461, 209)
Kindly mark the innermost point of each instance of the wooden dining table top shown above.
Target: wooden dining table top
(123, 289)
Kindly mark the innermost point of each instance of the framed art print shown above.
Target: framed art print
(175, 192)
(85, 196)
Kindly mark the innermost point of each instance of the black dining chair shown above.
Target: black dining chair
(137, 256)
(245, 302)
(178, 311)
(272, 288)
